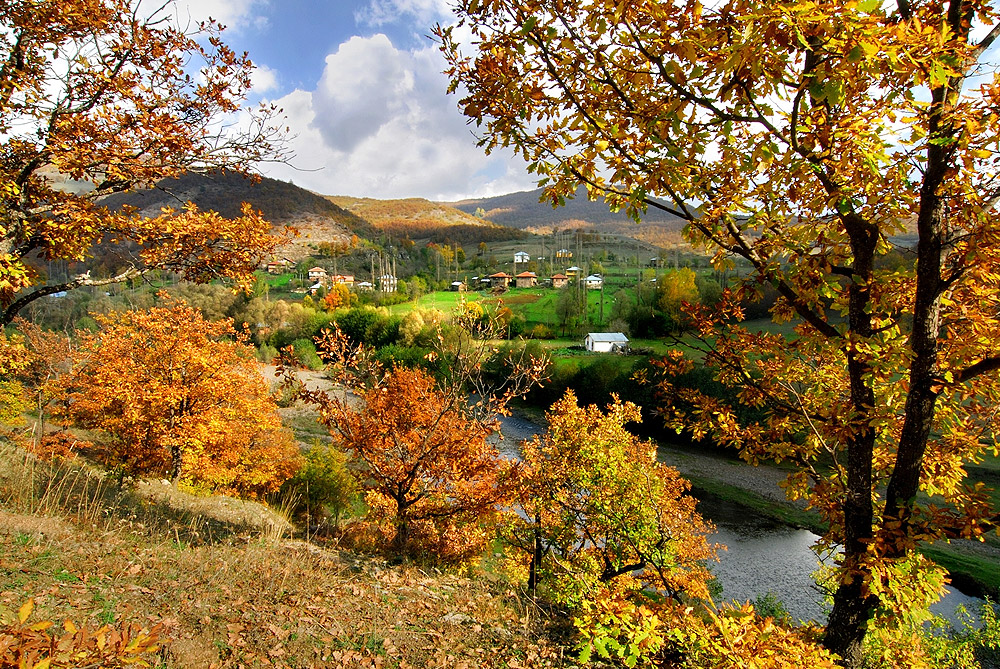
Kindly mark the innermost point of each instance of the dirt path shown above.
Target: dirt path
(312, 380)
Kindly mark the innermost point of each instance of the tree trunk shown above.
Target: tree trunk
(536, 555)
(178, 463)
(852, 607)
(402, 539)
(848, 623)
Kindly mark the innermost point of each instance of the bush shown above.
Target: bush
(59, 446)
(404, 356)
(305, 353)
(541, 331)
(324, 485)
(266, 353)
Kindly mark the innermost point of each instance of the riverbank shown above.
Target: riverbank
(972, 565)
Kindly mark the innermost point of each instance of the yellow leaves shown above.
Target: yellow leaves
(25, 611)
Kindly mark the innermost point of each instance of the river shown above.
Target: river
(763, 556)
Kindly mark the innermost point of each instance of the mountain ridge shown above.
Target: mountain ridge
(526, 210)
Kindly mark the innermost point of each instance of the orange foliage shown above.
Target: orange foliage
(96, 92)
(432, 478)
(182, 397)
(338, 296)
(59, 446)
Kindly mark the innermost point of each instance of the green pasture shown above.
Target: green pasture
(277, 280)
(446, 301)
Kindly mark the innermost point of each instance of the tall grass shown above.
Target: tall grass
(79, 492)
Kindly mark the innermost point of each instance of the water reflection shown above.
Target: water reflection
(764, 556)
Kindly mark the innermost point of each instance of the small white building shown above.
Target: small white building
(522, 256)
(387, 283)
(606, 342)
(594, 282)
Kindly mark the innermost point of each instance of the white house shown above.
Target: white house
(594, 282)
(317, 274)
(522, 256)
(606, 342)
(387, 283)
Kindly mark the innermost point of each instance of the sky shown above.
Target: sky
(361, 87)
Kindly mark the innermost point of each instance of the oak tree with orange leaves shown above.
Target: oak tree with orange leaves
(804, 139)
(116, 95)
(180, 397)
(433, 478)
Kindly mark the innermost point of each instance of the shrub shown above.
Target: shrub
(541, 331)
(59, 446)
(324, 484)
(305, 353)
(266, 353)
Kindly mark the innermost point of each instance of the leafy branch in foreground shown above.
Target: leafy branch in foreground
(810, 135)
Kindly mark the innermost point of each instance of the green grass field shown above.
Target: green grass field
(446, 301)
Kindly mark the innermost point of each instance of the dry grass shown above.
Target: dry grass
(230, 592)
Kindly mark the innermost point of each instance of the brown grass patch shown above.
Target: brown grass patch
(225, 593)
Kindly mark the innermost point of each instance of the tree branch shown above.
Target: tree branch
(984, 366)
(82, 280)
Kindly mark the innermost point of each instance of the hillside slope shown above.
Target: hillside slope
(221, 589)
(523, 210)
(314, 216)
(417, 218)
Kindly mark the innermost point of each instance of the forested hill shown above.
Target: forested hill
(316, 218)
(524, 210)
(417, 218)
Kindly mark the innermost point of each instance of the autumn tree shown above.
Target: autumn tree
(673, 289)
(801, 138)
(50, 356)
(15, 359)
(102, 96)
(595, 506)
(338, 296)
(433, 477)
(180, 397)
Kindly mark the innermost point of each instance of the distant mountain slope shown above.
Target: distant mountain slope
(314, 216)
(417, 218)
(524, 211)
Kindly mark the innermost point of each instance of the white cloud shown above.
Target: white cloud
(380, 124)
(381, 12)
(263, 79)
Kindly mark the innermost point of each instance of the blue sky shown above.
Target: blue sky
(361, 87)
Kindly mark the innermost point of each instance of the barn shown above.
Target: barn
(606, 342)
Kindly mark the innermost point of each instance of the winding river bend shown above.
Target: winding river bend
(763, 556)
